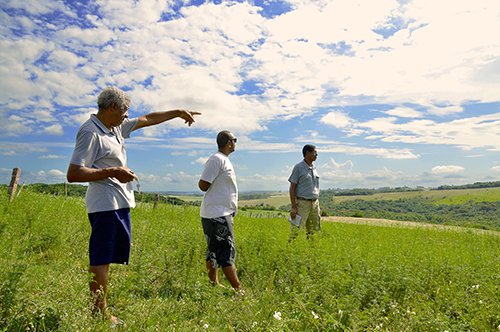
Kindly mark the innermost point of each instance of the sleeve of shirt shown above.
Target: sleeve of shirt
(128, 126)
(211, 170)
(294, 177)
(86, 148)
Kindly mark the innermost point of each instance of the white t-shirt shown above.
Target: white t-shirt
(221, 198)
(98, 147)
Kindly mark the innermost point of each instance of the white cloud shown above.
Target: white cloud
(337, 119)
(52, 156)
(330, 56)
(384, 176)
(201, 160)
(441, 111)
(335, 172)
(404, 112)
(66, 59)
(379, 152)
(56, 173)
(447, 169)
(55, 129)
(420, 60)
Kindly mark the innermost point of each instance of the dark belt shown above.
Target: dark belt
(307, 199)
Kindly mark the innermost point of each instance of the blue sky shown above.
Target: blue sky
(392, 93)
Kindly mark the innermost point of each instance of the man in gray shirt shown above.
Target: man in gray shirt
(100, 158)
(304, 193)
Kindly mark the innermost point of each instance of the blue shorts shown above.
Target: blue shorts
(110, 238)
(219, 233)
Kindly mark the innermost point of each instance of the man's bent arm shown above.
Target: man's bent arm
(203, 185)
(155, 118)
(85, 174)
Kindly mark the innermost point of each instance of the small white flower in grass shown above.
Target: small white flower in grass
(314, 315)
(277, 315)
(254, 324)
(205, 326)
(340, 312)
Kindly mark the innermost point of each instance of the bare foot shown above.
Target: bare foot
(115, 322)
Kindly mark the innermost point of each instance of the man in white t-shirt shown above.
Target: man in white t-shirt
(219, 206)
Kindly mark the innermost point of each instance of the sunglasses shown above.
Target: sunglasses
(233, 140)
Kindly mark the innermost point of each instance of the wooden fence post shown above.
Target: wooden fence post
(157, 197)
(16, 172)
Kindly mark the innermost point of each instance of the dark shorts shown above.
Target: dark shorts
(110, 238)
(219, 233)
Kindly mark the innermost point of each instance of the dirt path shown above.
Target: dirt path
(397, 223)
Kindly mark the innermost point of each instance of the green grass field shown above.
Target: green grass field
(349, 278)
(275, 200)
(439, 196)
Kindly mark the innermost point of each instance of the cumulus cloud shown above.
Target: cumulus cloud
(57, 173)
(333, 171)
(404, 112)
(55, 129)
(201, 160)
(337, 119)
(248, 69)
(447, 169)
(52, 156)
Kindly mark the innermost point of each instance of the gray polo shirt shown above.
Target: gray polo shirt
(307, 180)
(98, 147)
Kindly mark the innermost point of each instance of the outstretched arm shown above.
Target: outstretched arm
(155, 118)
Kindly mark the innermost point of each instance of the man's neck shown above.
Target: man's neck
(308, 162)
(102, 118)
(225, 151)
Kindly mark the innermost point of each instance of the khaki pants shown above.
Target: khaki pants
(310, 214)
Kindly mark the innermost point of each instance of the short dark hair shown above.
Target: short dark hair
(308, 148)
(222, 138)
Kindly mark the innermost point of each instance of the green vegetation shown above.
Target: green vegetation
(478, 208)
(491, 184)
(276, 200)
(78, 190)
(357, 192)
(350, 278)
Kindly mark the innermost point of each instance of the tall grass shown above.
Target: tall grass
(348, 278)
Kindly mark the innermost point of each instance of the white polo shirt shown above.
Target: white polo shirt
(221, 198)
(98, 147)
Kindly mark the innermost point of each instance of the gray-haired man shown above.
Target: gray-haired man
(100, 158)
